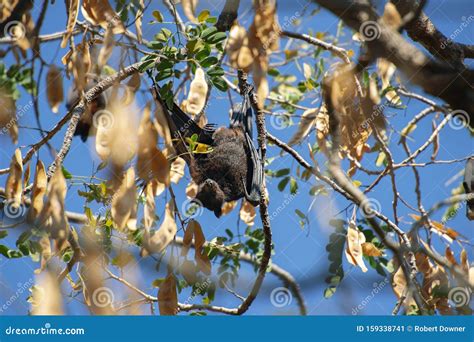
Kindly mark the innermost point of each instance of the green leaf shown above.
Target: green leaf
(293, 186)
(283, 183)
(146, 65)
(282, 172)
(300, 214)
(215, 71)
(164, 64)
(23, 238)
(217, 38)
(163, 35)
(158, 16)
(329, 292)
(164, 74)
(219, 83)
(155, 45)
(229, 233)
(273, 72)
(381, 159)
(203, 53)
(3, 234)
(66, 173)
(209, 61)
(102, 165)
(207, 33)
(202, 17)
(4, 251)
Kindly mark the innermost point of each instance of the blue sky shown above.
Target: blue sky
(299, 251)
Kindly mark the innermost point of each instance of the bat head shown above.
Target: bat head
(211, 196)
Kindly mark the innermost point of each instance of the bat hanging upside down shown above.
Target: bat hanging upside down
(231, 169)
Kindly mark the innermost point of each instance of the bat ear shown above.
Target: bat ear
(218, 212)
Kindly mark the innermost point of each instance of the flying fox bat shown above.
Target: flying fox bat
(231, 169)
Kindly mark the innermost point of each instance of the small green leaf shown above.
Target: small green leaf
(66, 173)
(202, 17)
(23, 238)
(329, 292)
(381, 159)
(208, 32)
(293, 186)
(215, 71)
(282, 172)
(273, 72)
(219, 83)
(158, 16)
(300, 214)
(146, 65)
(203, 53)
(162, 75)
(217, 38)
(283, 183)
(209, 61)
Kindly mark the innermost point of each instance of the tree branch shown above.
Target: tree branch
(262, 136)
(421, 29)
(79, 109)
(436, 78)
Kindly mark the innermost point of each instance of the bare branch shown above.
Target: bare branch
(421, 29)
